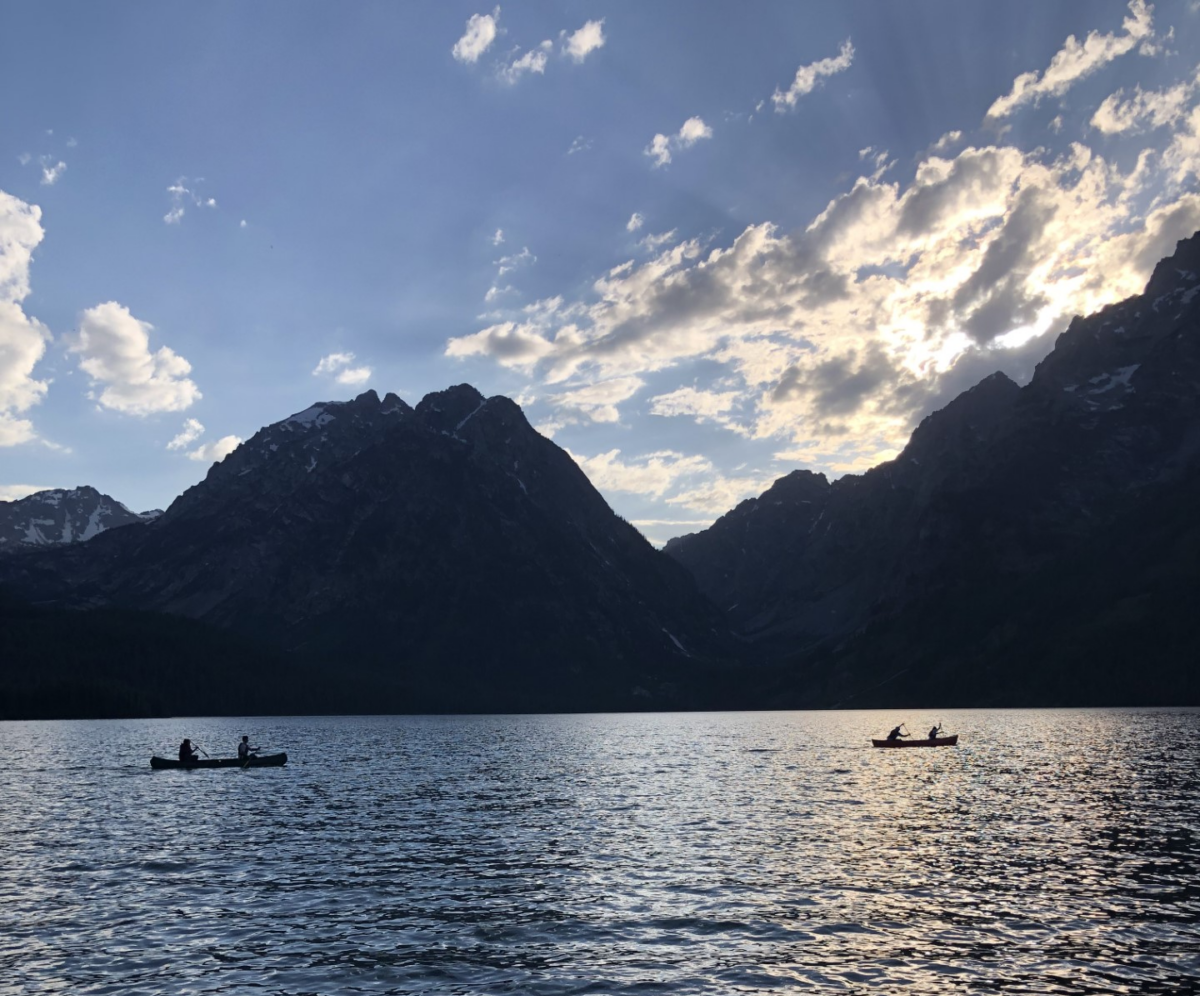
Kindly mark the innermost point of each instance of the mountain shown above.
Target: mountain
(915, 578)
(58, 517)
(445, 557)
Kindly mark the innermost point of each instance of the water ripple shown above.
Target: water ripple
(1053, 852)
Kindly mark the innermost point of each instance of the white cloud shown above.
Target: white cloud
(533, 61)
(585, 41)
(1076, 60)
(685, 481)
(808, 77)
(580, 144)
(22, 338)
(51, 174)
(692, 131)
(115, 352)
(217, 451)
(498, 237)
(242, 223)
(598, 402)
(24, 158)
(655, 242)
(181, 195)
(662, 146)
(1144, 110)
(506, 264)
(192, 430)
(480, 33)
(340, 367)
(659, 149)
(833, 340)
(636, 220)
(15, 492)
(700, 406)
(653, 474)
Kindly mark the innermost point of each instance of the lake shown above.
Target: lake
(1050, 852)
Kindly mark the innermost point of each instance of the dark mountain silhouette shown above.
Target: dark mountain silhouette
(447, 557)
(1033, 545)
(1030, 545)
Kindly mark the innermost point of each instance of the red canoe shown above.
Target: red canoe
(935, 742)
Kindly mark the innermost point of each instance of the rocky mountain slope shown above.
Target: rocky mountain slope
(446, 556)
(59, 517)
(1003, 488)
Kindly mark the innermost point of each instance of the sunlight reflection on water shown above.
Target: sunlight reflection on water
(1051, 852)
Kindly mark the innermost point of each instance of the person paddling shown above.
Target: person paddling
(245, 750)
(933, 734)
(187, 753)
(896, 734)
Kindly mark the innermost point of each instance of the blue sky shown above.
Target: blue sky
(701, 244)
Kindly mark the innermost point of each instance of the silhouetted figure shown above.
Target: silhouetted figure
(896, 734)
(187, 752)
(245, 750)
(934, 732)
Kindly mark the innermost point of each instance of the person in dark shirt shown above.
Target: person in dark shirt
(933, 734)
(245, 750)
(187, 753)
(896, 734)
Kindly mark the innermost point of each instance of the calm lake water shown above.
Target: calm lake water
(1051, 852)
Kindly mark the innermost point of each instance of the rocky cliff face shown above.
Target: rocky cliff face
(449, 551)
(1003, 483)
(59, 517)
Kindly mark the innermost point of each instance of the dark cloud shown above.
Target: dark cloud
(840, 385)
(973, 172)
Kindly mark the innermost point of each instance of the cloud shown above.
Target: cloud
(635, 222)
(506, 264)
(700, 406)
(115, 352)
(533, 61)
(685, 481)
(585, 41)
(51, 174)
(598, 402)
(181, 195)
(22, 338)
(339, 366)
(655, 242)
(1143, 110)
(1076, 60)
(653, 474)
(947, 141)
(480, 33)
(661, 146)
(498, 237)
(215, 452)
(580, 144)
(809, 77)
(192, 430)
(15, 492)
(825, 345)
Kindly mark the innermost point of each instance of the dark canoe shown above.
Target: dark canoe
(254, 761)
(935, 742)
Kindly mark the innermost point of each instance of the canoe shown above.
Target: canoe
(254, 761)
(935, 742)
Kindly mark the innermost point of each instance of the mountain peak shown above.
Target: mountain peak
(447, 410)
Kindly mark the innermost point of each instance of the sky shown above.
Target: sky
(702, 245)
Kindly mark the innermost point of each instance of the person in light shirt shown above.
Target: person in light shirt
(245, 750)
